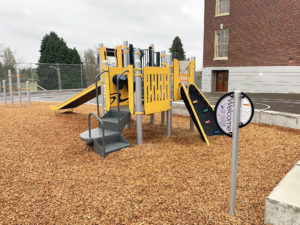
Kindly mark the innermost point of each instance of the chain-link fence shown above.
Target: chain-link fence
(53, 76)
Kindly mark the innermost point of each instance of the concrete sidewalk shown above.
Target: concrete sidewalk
(289, 103)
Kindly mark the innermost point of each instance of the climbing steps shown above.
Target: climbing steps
(204, 111)
(201, 111)
(108, 138)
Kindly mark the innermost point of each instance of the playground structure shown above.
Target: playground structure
(19, 88)
(139, 82)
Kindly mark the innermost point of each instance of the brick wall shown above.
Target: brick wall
(261, 33)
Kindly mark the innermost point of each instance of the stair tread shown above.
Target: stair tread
(116, 146)
(111, 119)
(96, 133)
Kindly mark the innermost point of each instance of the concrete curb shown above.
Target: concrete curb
(282, 119)
(283, 204)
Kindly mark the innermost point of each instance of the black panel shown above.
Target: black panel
(205, 113)
(110, 52)
(150, 57)
(123, 80)
(157, 59)
(189, 108)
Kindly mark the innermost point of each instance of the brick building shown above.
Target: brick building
(253, 46)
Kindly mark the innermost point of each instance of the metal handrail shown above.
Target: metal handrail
(97, 100)
(100, 122)
(118, 96)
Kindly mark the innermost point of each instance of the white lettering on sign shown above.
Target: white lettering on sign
(224, 112)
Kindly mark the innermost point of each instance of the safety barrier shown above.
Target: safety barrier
(156, 89)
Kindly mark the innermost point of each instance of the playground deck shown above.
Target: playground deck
(48, 175)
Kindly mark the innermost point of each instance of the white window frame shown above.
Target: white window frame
(225, 7)
(220, 42)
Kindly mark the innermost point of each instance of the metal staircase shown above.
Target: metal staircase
(108, 137)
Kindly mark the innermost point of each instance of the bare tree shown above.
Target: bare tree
(8, 57)
(90, 65)
(89, 57)
(8, 61)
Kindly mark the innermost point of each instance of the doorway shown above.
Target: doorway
(222, 80)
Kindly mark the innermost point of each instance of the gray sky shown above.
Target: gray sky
(85, 23)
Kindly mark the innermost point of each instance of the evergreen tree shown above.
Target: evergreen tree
(177, 49)
(54, 51)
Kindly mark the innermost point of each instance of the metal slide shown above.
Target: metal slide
(201, 111)
(78, 99)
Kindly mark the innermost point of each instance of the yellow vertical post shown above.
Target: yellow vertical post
(191, 72)
(176, 68)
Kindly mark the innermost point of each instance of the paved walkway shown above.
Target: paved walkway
(276, 102)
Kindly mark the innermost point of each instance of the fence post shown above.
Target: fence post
(59, 77)
(138, 97)
(4, 92)
(19, 87)
(169, 112)
(28, 93)
(235, 147)
(10, 88)
(81, 79)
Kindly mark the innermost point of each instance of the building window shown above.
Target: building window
(221, 44)
(222, 7)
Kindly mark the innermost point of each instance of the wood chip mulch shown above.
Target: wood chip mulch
(48, 175)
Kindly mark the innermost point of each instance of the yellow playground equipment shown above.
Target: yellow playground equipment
(133, 81)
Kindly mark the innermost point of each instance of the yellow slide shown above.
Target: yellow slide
(78, 99)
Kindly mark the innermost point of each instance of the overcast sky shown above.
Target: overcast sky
(85, 23)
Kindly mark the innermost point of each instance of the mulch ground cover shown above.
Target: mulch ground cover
(48, 175)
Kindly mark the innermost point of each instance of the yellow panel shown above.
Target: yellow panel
(156, 89)
(119, 56)
(191, 72)
(176, 80)
(103, 56)
(131, 88)
(113, 88)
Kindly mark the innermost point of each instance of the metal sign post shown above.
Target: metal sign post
(235, 147)
(234, 110)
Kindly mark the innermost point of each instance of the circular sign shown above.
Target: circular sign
(224, 112)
